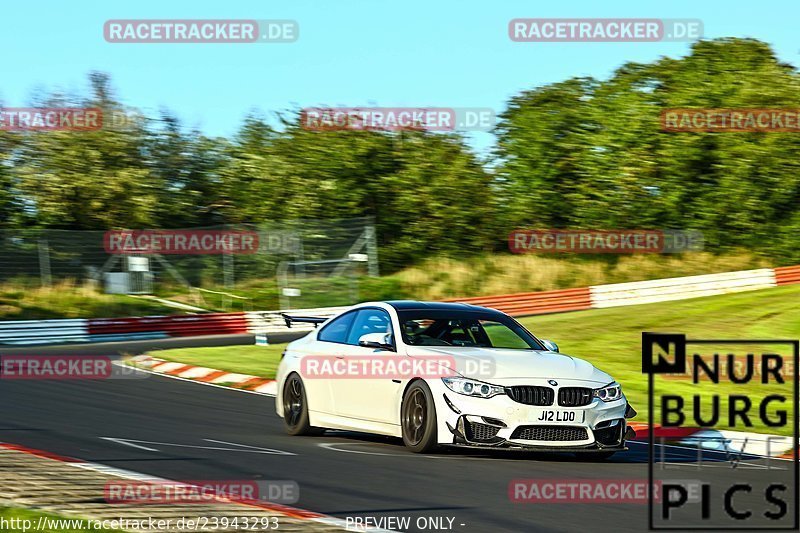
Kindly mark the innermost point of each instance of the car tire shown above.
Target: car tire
(295, 408)
(418, 418)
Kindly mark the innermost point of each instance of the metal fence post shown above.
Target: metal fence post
(227, 275)
(44, 263)
(353, 283)
(283, 282)
(372, 251)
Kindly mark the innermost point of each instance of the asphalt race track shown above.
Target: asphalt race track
(188, 431)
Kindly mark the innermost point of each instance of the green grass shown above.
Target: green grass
(68, 300)
(259, 361)
(28, 519)
(609, 338)
(262, 293)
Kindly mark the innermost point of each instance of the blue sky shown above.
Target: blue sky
(350, 53)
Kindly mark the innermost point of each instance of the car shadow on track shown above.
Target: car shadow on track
(382, 445)
(637, 451)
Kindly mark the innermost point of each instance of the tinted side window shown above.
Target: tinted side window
(337, 330)
(369, 321)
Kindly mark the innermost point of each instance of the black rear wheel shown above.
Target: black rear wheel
(295, 408)
(418, 418)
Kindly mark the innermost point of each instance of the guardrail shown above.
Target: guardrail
(787, 275)
(534, 303)
(637, 292)
(111, 329)
(151, 327)
(520, 304)
(663, 290)
(43, 331)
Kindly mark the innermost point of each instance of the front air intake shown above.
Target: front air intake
(574, 396)
(550, 433)
(531, 395)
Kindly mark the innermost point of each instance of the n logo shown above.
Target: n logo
(663, 353)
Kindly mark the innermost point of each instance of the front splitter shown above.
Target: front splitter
(533, 449)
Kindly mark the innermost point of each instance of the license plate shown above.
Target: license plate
(557, 416)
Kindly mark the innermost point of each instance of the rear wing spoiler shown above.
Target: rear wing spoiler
(316, 320)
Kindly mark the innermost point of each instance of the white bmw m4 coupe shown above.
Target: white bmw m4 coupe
(447, 374)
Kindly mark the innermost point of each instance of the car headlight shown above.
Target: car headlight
(471, 387)
(609, 393)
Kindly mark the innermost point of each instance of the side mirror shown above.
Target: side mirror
(550, 345)
(379, 341)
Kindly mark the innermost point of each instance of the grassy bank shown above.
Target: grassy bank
(69, 300)
(443, 278)
(437, 279)
(432, 279)
(609, 338)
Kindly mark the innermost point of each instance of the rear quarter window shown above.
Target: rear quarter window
(337, 330)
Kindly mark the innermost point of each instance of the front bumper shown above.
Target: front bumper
(501, 422)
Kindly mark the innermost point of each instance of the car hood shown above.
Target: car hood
(499, 365)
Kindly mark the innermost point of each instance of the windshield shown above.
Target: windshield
(465, 328)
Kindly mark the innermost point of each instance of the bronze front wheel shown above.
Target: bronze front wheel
(418, 418)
